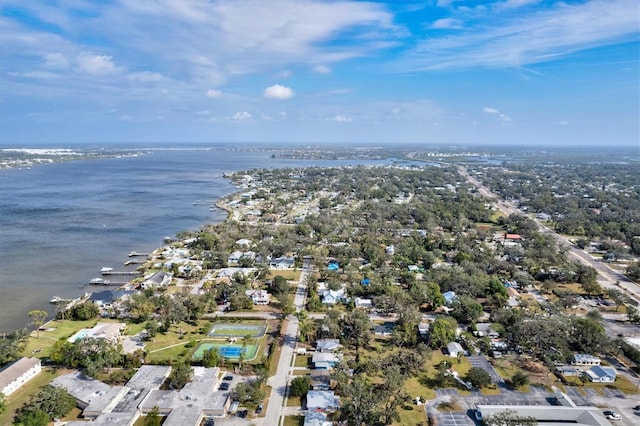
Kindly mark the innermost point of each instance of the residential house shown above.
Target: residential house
(16, 374)
(286, 262)
(331, 297)
(324, 360)
(234, 257)
(585, 359)
(316, 418)
(324, 401)
(384, 330)
(259, 297)
(327, 345)
(600, 374)
(102, 330)
(366, 304)
(454, 349)
(320, 380)
(485, 329)
(106, 298)
(243, 242)
(157, 280)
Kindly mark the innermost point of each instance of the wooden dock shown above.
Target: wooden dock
(134, 262)
(136, 254)
(106, 283)
(121, 273)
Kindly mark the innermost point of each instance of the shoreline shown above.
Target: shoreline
(152, 252)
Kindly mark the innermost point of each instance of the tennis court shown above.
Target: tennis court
(227, 351)
(238, 330)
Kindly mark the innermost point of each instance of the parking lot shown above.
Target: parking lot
(453, 418)
(481, 361)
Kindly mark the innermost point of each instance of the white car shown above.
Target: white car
(612, 415)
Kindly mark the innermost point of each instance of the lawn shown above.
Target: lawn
(294, 401)
(22, 395)
(621, 383)
(302, 361)
(414, 388)
(40, 347)
(290, 274)
(412, 414)
(293, 421)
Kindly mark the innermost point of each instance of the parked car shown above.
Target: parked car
(612, 415)
(637, 407)
(227, 378)
(242, 413)
(224, 386)
(260, 408)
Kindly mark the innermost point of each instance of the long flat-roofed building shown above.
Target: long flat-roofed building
(13, 376)
(551, 414)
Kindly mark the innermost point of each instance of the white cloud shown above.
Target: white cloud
(322, 69)
(342, 119)
(97, 65)
(242, 116)
(494, 111)
(56, 60)
(562, 123)
(278, 92)
(145, 77)
(447, 23)
(213, 93)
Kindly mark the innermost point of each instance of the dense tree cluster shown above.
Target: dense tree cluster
(596, 200)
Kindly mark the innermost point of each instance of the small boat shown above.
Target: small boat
(96, 281)
(105, 269)
(57, 299)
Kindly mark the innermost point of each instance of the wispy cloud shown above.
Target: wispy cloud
(447, 23)
(498, 114)
(513, 40)
(342, 119)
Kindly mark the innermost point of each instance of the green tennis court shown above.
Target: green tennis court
(227, 351)
(238, 330)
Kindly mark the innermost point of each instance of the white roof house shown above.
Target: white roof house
(259, 297)
(363, 303)
(327, 345)
(322, 401)
(585, 359)
(16, 374)
(454, 348)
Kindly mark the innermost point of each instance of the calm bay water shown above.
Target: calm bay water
(60, 223)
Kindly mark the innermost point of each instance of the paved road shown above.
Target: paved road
(607, 275)
(278, 382)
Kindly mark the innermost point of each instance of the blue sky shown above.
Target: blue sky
(435, 71)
